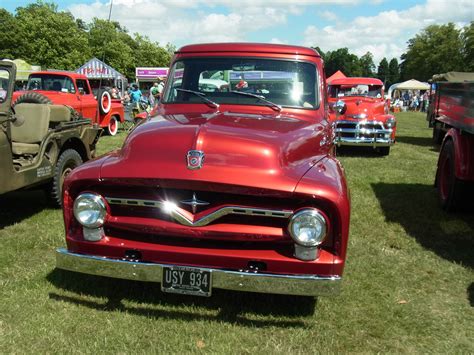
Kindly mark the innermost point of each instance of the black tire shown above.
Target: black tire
(113, 126)
(384, 151)
(450, 188)
(438, 134)
(32, 98)
(68, 160)
(104, 100)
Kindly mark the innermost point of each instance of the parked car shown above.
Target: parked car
(73, 89)
(452, 118)
(221, 189)
(360, 114)
(40, 144)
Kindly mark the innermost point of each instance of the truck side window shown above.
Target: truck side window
(82, 87)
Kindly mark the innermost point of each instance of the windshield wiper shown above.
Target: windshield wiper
(260, 97)
(202, 96)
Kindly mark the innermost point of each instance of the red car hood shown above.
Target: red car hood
(240, 149)
(357, 105)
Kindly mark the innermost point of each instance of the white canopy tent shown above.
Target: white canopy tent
(411, 84)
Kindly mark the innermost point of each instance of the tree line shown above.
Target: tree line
(42, 35)
(436, 49)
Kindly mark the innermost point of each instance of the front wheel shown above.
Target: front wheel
(113, 126)
(67, 162)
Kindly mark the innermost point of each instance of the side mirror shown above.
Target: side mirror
(340, 107)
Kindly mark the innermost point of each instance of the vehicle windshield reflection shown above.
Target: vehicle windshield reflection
(272, 83)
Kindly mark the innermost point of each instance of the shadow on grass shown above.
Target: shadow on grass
(470, 294)
(17, 206)
(234, 307)
(415, 208)
(349, 151)
(420, 141)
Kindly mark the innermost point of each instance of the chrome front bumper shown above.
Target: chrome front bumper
(362, 133)
(303, 285)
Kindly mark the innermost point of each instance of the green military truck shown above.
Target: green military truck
(40, 144)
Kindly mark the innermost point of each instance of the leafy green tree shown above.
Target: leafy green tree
(437, 49)
(9, 38)
(341, 59)
(383, 70)
(149, 53)
(367, 65)
(393, 72)
(50, 38)
(468, 46)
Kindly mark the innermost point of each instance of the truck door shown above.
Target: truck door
(88, 102)
(7, 81)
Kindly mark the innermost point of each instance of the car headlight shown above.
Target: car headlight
(391, 122)
(90, 210)
(340, 107)
(308, 227)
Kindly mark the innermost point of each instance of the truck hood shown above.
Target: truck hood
(359, 105)
(265, 151)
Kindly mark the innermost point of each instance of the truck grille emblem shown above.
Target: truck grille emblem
(195, 159)
(194, 203)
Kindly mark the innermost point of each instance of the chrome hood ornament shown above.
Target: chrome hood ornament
(194, 203)
(195, 159)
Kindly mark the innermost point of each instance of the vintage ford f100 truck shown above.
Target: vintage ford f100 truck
(225, 186)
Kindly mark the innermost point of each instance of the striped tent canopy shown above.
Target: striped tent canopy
(97, 69)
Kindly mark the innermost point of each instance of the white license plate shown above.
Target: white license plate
(186, 280)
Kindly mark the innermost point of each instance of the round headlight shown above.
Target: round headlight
(340, 106)
(391, 122)
(90, 210)
(308, 227)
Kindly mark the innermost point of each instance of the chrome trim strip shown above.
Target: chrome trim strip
(303, 285)
(179, 215)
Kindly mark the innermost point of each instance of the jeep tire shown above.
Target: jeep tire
(32, 98)
(68, 160)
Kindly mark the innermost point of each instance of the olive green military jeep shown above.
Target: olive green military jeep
(39, 143)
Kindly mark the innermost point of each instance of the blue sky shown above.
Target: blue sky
(379, 26)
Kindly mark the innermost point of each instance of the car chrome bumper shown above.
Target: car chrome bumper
(303, 285)
(366, 142)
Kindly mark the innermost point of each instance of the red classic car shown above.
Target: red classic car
(72, 89)
(235, 188)
(360, 114)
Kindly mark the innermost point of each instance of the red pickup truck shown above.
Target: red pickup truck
(72, 89)
(360, 114)
(224, 186)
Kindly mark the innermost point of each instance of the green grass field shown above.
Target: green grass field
(408, 283)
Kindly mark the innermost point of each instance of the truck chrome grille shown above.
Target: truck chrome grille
(362, 132)
(188, 219)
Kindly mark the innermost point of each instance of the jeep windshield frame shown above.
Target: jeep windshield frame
(283, 82)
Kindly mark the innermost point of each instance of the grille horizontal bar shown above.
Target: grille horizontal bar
(179, 215)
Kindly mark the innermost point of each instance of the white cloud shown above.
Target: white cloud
(328, 15)
(386, 34)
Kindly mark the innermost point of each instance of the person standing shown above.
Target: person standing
(155, 94)
(135, 94)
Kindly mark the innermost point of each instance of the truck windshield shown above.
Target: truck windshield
(336, 91)
(47, 82)
(280, 82)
